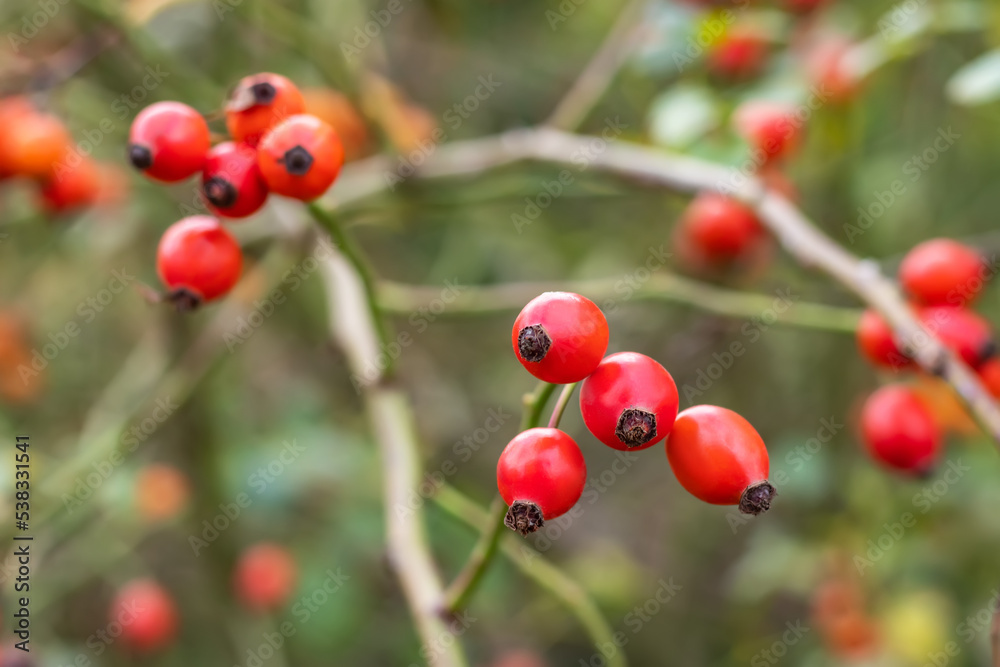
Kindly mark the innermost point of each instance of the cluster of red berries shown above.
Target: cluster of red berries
(146, 613)
(629, 402)
(276, 148)
(35, 145)
(942, 278)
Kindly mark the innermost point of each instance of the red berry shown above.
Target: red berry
(878, 343)
(560, 337)
(738, 55)
(830, 67)
(258, 103)
(168, 141)
(71, 188)
(32, 143)
(989, 375)
(719, 458)
(265, 577)
(146, 615)
(771, 128)
(961, 330)
(541, 474)
(199, 260)
(804, 5)
(943, 272)
(899, 430)
(231, 182)
(629, 402)
(720, 228)
(300, 157)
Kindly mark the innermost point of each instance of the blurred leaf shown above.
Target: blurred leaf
(977, 82)
(683, 114)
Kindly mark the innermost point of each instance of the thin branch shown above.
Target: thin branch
(353, 324)
(600, 71)
(655, 167)
(465, 583)
(662, 286)
(557, 412)
(573, 596)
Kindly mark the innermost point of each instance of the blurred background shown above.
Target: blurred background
(147, 426)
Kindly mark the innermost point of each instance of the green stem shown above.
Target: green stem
(467, 581)
(534, 566)
(557, 412)
(353, 254)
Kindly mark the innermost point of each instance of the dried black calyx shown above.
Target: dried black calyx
(183, 299)
(636, 427)
(140, 156)
(297, 161)
(524, 517)
(220, 192)
(533, 343)
(987, 351)
(263, 92)
(756, 499)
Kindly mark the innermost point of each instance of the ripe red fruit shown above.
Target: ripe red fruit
(719, 458)
(258, 103)
(899, 430)
(943, 272)
(146, 614)
(199, 260)
(32, 143)
(231, 182)
(738, 55)
(265, 577)
(560, 337)
(989, 375)
(73, 187)
(720, 228)
(771, 128)
(829, 65)
(878, 343)
(961, 330)
(168, 141)
(300, 157)
(629, 402)
(541, 474)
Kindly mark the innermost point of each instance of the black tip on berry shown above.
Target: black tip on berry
(140, 157)
(297, 161)
(533, 342)
(220, 192)
(757, 498)
(524, 517)
(635, 427)
(263, 92)
(183, 299)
